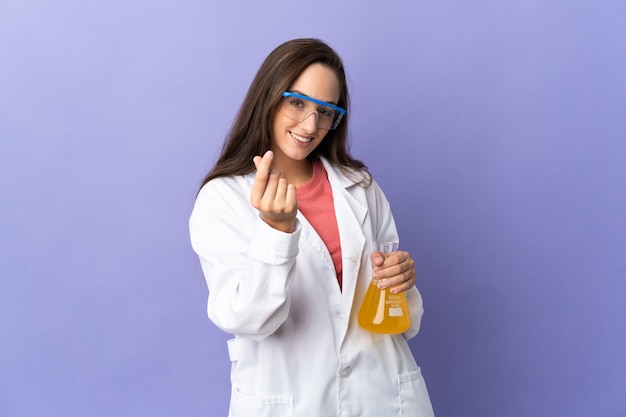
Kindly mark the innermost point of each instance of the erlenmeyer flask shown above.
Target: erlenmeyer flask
(382, 311)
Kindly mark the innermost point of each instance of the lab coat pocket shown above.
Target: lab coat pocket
(242, 405)
(414, 399)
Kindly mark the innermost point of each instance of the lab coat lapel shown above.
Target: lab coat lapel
(350, 214)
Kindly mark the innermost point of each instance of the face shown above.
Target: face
(294, 141)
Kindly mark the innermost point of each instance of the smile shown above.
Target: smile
(300, 138)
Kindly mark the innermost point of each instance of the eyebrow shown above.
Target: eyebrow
(306, 95)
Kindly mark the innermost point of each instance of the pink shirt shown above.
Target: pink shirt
(315, 202)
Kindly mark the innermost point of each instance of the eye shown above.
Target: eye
(327, 112)
(296, 103)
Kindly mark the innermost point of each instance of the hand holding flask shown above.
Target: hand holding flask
(381, 310)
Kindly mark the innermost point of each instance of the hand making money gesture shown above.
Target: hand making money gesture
(272, 196)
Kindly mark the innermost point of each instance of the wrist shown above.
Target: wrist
(287, 226)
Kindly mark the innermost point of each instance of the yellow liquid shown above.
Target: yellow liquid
(384, 312)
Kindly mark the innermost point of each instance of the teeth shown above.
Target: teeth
(300, 138)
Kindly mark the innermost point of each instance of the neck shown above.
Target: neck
(297, 173)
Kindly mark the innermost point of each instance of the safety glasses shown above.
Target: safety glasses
(299, 107)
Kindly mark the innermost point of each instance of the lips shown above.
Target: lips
(300, 138)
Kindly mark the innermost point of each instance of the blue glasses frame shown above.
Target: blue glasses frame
(314, 100)
(339, 112)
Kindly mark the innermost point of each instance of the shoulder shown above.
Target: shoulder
(221, 207)
(225, 187)
(223, 197)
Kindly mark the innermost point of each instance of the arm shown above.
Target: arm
(397, 271)
(247, 264)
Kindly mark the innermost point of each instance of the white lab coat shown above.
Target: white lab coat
(298, 349)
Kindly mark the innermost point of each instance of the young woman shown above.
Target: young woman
(282, 226)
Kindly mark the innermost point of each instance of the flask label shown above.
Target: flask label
(395, 312)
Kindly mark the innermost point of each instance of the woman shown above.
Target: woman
(283, 225)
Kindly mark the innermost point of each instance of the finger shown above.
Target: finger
(257, 161)
(262, 165)
(391, 278)
(398, 283)
(269, 193)
(291, 199)
(398, 269)
(397, 263)
(386, 265)
(408, 283)
(281, 192)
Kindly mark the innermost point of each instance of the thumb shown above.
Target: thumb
(377, 258)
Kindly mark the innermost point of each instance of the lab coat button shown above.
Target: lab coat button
(346, 372)
(337, 312)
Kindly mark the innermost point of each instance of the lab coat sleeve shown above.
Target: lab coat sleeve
(248, 265)
(386, 231)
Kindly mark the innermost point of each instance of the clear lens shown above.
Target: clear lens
(299, 108)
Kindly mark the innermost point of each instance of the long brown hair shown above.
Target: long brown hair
(251, 132)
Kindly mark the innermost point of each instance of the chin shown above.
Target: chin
(299, 156)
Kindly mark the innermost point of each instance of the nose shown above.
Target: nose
(310, 123)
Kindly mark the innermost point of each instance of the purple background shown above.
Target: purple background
(497, 129)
